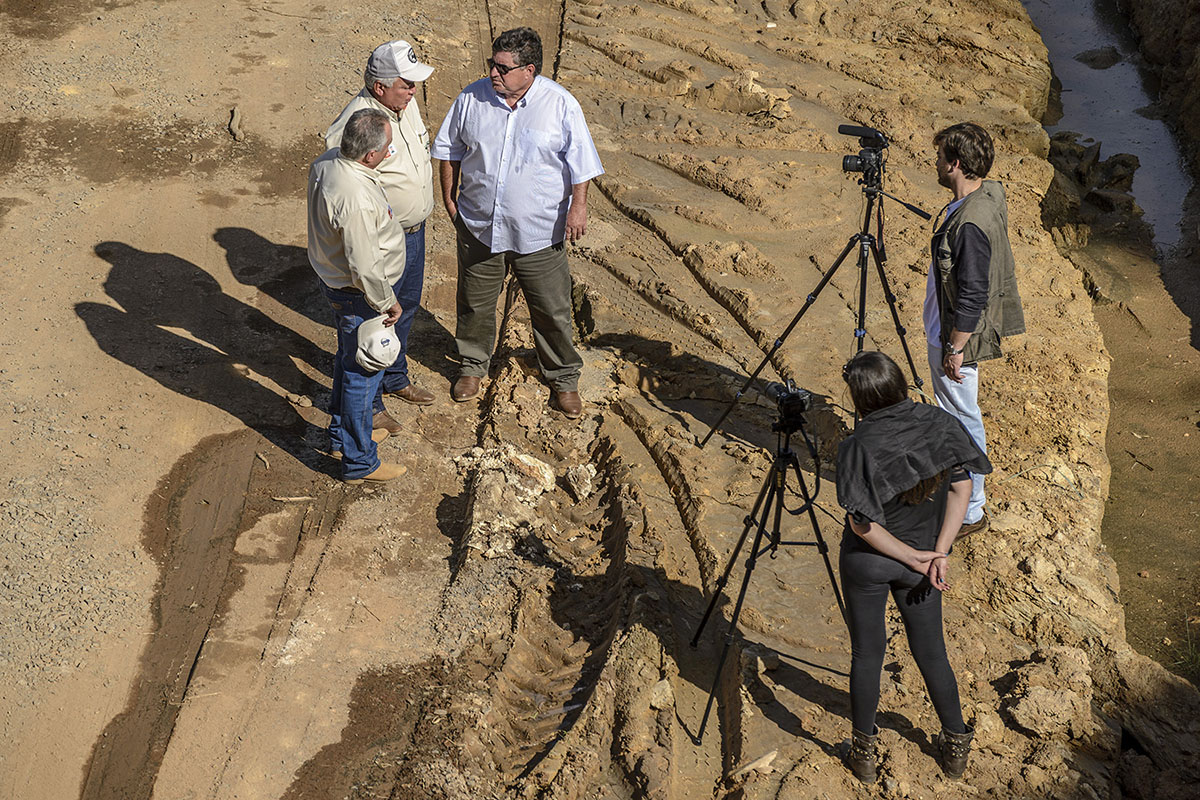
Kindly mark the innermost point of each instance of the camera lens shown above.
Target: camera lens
(852, 164)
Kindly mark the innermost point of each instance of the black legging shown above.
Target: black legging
(867, 578)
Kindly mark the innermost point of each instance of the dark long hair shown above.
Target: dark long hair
(876, 382)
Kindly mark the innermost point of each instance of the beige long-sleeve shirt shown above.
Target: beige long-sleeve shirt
(407, 172)
(348, 223)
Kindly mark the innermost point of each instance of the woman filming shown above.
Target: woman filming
(902, 477)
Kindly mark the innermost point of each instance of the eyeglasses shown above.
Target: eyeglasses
(503, 69)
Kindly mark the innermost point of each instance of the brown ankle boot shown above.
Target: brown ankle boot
(953, 749)
(861, 758)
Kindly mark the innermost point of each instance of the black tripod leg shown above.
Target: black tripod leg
(812, 298)
(901, 331)
(860, 330)
(775, 481)
(822, 548)
(721, 581)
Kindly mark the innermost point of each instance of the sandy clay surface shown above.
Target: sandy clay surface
(193, 607)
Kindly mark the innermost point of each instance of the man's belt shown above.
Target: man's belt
(415, 228)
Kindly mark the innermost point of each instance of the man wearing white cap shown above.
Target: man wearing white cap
(516, 160)
(391, 77)
(348, 216)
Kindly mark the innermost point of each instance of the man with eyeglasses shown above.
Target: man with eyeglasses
(516, 160)
(391, 77)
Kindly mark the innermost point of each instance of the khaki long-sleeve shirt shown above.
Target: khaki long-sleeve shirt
(349, 221)
(407, 172)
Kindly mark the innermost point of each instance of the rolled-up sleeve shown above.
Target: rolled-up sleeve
(448, 145)
(360, 237)
(583, 162)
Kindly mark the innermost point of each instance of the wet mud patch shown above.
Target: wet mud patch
(8, 204)
(11, 150)
(396, 714)
(38, 20)
(139, 149)
(191, 527)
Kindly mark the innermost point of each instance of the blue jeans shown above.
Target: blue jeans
(353, 387)
(408, 295)
(961, 400)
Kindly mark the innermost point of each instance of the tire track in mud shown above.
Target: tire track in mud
(191, 527)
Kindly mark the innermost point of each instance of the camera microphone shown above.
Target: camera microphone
(858, 130)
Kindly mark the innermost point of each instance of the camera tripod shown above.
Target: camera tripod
(870, 248)
(768, 511)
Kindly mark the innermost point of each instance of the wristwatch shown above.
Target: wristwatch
(950, 350)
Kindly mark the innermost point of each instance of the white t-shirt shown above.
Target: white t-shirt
(933, 317)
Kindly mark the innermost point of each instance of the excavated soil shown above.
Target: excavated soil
(194, 607)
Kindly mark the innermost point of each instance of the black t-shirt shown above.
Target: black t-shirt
(916, 525)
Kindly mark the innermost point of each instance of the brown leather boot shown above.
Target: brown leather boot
(383, 421)
(569, 403)
(384, 472)
(953, 749)
(465, 388)
(861, 758)
(414, 394)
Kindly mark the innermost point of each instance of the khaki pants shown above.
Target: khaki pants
(545, 280)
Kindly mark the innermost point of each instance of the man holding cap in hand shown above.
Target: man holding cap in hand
(348, 220)
(391, 77)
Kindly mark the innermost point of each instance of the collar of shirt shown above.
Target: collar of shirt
(372, 174)
(534, 89)
(374, 101)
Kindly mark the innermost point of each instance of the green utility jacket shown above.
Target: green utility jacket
(987, 209)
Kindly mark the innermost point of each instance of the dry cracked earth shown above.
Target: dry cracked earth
(193, 607)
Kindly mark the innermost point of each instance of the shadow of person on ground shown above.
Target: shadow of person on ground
(282, 272)
(176, 325)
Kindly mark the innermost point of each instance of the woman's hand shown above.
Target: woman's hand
(937, 570)
(919, 560)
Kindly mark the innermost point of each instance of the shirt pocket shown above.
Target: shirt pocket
(538, 144)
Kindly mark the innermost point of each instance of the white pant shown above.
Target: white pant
(961, 400)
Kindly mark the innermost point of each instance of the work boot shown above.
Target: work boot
(414, 394)
(384, 472)
(861, 758)
(978, 526)
(377, 436)
(953, 749)
(383, 421)
(465, 388)
(569, 403)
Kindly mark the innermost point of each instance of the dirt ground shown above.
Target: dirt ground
(193, 607)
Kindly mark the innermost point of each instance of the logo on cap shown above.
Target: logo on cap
(412, 55)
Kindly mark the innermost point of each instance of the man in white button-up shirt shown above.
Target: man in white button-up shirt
(516, 160)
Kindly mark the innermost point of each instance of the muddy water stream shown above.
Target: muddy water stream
(1108, 95)
(1152, 517)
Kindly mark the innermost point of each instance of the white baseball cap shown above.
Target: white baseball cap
(397, 60)
(378, 345)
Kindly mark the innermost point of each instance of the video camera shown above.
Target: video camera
(869, 160)
(792, 401)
